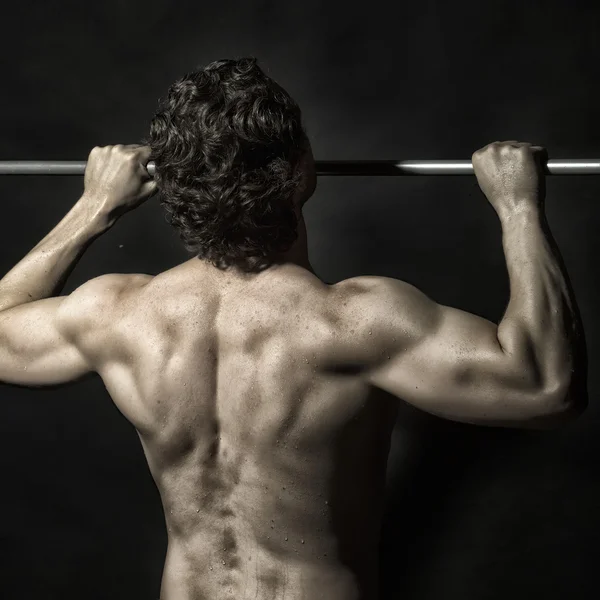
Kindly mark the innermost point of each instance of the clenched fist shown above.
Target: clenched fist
(511, 175)
(116, 180)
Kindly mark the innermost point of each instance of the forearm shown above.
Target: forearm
(43, 272)
(541, 328)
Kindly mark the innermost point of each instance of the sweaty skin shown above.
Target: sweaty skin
(265, 403)
(269, 451)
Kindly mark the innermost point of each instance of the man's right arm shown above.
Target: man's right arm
(528, 371)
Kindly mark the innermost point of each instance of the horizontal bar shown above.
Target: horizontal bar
(569, 166)
(584, 166)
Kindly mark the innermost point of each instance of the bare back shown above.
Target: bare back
(269, 453)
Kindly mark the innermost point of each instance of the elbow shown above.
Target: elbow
(563, 402)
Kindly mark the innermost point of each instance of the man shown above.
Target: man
(252, 384)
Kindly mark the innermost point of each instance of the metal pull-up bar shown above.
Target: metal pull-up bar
(567, 166)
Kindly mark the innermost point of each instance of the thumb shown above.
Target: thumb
(149, 189)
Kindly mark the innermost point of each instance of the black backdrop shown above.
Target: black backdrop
(473, 513)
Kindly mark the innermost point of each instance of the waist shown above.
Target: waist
(255, 571)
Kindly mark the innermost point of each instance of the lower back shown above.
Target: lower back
(294, 525)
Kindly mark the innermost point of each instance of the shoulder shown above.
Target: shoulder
(112, 284)
(375, 297)
(108, 289)
(379, 315)
(100, 302)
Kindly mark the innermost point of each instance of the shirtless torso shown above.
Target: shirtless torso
(265, 403)
(269, 451)
(265, 406)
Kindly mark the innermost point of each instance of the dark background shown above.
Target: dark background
(473, 513)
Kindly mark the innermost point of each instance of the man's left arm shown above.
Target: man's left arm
(39, 333)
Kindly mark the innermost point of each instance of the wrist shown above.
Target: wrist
(91, 209)
(520, 209)
(522, 226)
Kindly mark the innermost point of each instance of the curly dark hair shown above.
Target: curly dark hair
(226, 142)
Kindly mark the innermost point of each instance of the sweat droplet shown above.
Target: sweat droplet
(302, 541)
(286, 539)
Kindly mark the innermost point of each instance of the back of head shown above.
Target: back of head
(227, 141)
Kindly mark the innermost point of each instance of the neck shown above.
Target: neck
(298, 253)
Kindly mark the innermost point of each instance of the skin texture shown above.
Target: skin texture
(265, 403)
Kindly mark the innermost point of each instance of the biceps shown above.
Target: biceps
(459, 371)
(33, 349)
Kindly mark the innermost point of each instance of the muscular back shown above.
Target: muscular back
(255, 401)
(264, 439)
